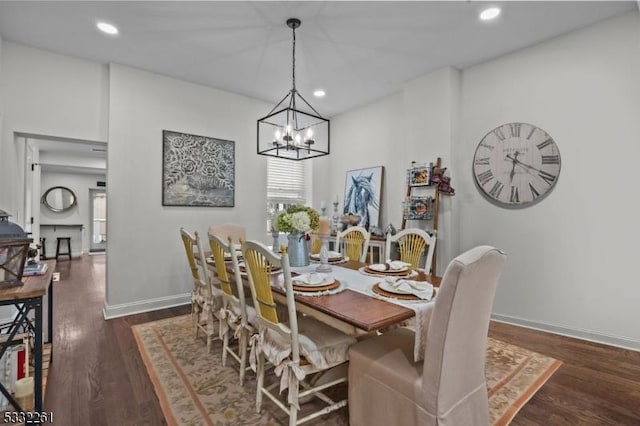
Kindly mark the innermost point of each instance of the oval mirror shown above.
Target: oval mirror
(59, 199)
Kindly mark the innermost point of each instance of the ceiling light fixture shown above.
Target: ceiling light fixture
(319, 93)
(107, 28)
(293, 130)
(490, 13)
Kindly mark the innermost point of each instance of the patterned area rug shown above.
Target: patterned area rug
(195, 389)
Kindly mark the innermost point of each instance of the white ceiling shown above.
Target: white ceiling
(356, 51)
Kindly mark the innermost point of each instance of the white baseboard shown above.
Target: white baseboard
(621, 342)
(115, 311)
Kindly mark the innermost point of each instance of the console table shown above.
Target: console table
(27, 298)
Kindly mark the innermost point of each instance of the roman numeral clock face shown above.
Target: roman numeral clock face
(516, 165)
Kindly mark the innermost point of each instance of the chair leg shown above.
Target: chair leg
(243, 355)
(260, 382)
(293, 415)
(225, 348)
(195, 315)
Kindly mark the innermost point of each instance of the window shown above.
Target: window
(287, 184)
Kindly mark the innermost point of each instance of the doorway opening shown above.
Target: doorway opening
(98, 223)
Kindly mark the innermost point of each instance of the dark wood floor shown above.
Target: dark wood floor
(98, 377)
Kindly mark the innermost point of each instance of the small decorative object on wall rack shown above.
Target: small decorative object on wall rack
(362, 195)
(197, 170)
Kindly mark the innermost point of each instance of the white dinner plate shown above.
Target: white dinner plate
(387, 286)
(381, 267)
(336, 256)
(325, 281)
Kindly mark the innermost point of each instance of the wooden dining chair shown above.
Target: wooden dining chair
(386, 385)
(316, 243)
(234, 315)
(354, 244)
(298, 349)
(236, 232)
(205, 299)
(412, 244)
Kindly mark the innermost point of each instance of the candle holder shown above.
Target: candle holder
(323, 210)
(336, 217)
(276, 240)
(324, 254)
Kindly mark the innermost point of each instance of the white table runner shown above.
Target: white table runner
(356, 281)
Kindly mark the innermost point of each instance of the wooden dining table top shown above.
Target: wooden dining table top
(349, 310)
(365, 313)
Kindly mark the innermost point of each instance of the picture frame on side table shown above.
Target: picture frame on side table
(197, 171)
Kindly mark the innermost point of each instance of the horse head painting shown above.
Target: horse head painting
(362, 195)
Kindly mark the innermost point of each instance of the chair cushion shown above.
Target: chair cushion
(323, 346)
(252, 316)
(389, 359)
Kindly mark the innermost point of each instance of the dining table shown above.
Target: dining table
(355, 309)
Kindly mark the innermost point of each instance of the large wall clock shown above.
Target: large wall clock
(516, 165)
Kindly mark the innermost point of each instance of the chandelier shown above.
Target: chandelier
(293, 129)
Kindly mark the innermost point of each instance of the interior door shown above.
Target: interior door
(98, 205)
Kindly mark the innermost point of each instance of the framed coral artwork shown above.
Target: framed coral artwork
(197, 170)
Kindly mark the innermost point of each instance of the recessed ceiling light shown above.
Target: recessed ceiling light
(490, 13)
(319, 93)
(107, 28)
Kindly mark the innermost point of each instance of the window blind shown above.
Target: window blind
(285, 181)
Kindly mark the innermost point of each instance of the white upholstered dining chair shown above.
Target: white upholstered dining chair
(298, 348)
(205, 299)
(412, 244)
(449, 387)
(235, 315)
(353, 243)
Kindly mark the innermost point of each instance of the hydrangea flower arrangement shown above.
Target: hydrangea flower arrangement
(297, 218)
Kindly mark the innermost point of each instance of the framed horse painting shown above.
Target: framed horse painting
(363, 194)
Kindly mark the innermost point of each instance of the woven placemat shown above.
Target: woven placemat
(314, 289)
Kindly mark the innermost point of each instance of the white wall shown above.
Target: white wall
(570, 257)
(81, 214)
(571, 265)
(416, 124)
(146, 265)
(47, 94)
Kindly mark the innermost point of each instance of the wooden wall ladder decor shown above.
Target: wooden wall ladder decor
(434, 180)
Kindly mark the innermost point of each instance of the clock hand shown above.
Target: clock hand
(524, 165)
(513, 167)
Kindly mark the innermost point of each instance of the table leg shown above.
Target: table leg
(37, 355)
(50, 322)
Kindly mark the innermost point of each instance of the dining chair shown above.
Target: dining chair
(205, 299)
(316, 243)
(234, 315)
(449, 387)
(236, 232)
(299, 349)
(355, 244)
(412, 243)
